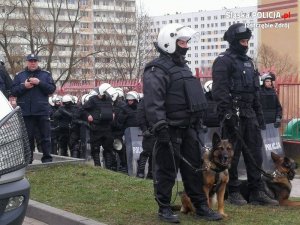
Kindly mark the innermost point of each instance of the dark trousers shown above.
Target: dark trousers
(39, 124)
(250, 132)
(166, 166)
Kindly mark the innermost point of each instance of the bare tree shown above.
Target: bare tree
(268, 58)
(13, 52)
(125, 40)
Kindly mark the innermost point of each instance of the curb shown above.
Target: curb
(54, 216)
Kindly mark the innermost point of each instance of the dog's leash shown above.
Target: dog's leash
(264, 173)
(178, 154)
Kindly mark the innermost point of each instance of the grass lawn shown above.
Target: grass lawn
(117, 199)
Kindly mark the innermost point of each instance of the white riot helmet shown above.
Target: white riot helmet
(56, 99)
(95, 91)
(120, 92)
(67, 98)
(85, 98)
(170, 33)
(50, 100)
(208, 86)
(106, 88)
(2, 59)
(75, 99)
(132, 95)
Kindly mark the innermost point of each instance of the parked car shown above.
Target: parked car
(14, 157)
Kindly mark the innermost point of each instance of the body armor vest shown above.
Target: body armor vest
(102, 111)
(185, 97)
(244, 78)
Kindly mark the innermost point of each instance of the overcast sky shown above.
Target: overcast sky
(162, 7)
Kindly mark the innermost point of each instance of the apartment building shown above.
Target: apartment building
(104, 31)
(211, 26)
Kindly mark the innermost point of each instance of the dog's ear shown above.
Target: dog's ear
(275, 157)
(215, 140)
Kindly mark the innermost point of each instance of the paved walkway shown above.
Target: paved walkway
(30, 221)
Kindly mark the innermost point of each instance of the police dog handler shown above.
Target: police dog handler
(174, 103)
(236, 91)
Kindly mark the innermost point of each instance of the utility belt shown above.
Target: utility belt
(184, 123)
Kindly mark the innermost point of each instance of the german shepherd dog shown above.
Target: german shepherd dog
(279, 186)
(216, 163)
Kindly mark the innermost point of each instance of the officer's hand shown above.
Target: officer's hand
(90, 118)
(277, 122)
(27, 84)
(34, 80)
(163, 136)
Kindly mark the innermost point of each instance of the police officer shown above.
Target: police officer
(99, 113)
(147, 143)
(5, 79)
(174, 102)
(236, 91)
(271, 106)
(55, 103)
(127, 118)
(64, 116)
(32, 87)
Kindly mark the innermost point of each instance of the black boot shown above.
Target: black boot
(236, 198)
(140, 173)
(167, 215)
(260, 198)
(149, 174)
(110, 161)
(204, 212)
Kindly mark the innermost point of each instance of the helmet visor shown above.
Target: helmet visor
(188, 34)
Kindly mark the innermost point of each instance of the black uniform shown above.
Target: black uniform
(271, 106)
(174, 102)
(235, 79)
(147, 143)
(101, 110)
(118, 133)
(35, 107)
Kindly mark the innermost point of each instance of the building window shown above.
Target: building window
(209, 18)
(189, 19)
(215, 17)
(223, 24)
(196, 62)
(202, 18)
(196, 47)
(196, 26)
(182, 20)
(196, 54)
(196, 19)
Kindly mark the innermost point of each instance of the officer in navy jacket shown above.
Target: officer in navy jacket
(32, 87)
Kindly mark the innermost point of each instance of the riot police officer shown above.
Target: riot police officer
(236, 91)
(147, 143)
(271, 106)
(174, 102)
(99, 113)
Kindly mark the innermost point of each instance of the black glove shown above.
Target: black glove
(163, 136)
(277, 122)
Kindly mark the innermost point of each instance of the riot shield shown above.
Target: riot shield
(271, 143)
(133, 142)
